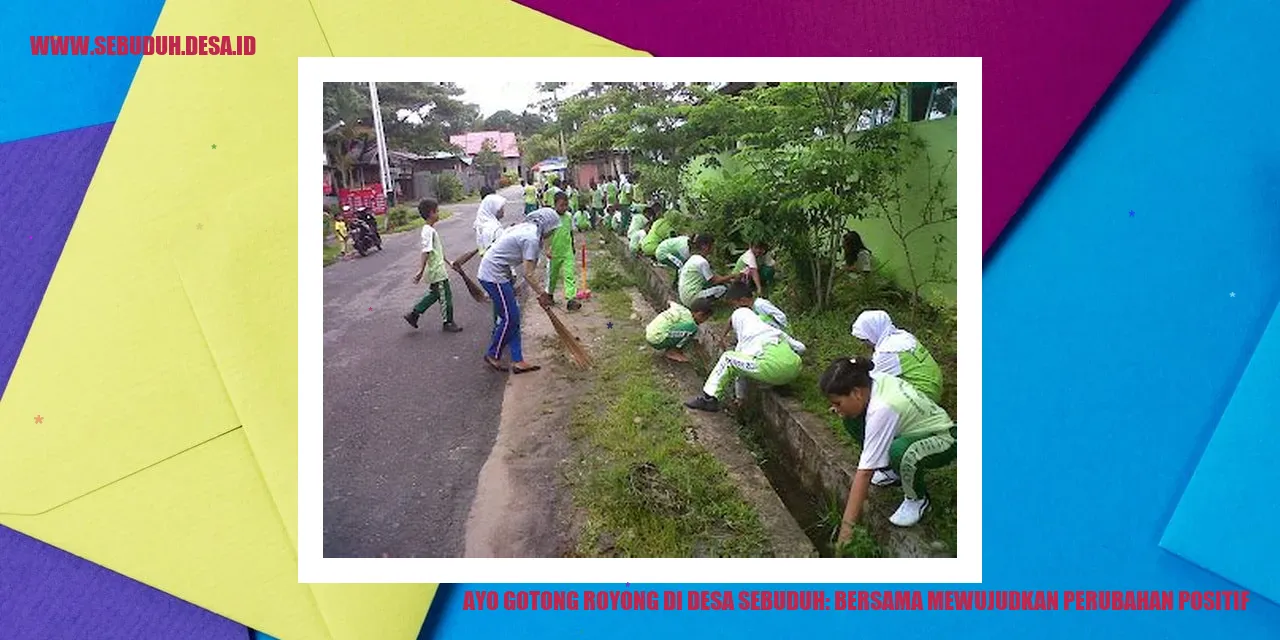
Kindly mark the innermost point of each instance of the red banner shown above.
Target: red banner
(370, 196)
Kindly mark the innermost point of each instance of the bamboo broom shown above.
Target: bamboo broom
(576, 350)
(472, 286)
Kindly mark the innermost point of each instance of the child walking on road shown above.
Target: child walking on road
(432, 265)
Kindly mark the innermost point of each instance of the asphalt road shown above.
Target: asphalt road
(410, 415)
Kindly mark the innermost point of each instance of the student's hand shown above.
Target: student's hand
(417, 277)
(846, 534)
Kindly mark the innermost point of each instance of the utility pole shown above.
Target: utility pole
(383, 166)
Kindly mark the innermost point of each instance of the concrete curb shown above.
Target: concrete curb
(820, 463)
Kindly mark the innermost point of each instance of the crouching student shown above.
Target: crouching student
(672, 330)
(763, 354)
(635, 237)
(772, 315)
(582, 220)
(659, 231)
(696, 279)
(898, 353)
(906, 432)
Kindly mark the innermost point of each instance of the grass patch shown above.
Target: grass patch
(331, 253)
(646, 491)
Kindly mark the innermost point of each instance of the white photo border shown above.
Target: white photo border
(965, 568)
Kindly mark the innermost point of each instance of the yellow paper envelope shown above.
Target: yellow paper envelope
(164, 354)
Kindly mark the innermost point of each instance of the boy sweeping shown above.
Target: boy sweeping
(432, 265)
(675, 327)
(561, 254)
(763, 354)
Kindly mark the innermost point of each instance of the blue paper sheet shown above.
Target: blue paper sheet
(1226, 521)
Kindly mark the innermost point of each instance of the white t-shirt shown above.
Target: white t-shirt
(428, 238)
(882, 428)
(749, 259)
(753, 333)
(694, 276)
(769, 309)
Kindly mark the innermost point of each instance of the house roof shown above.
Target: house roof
(504, 142)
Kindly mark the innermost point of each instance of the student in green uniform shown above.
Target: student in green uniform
(575, 198)
(672, 252)
(597, 203)
(696, 279)
(763, 354)
(530, 197)
(615, 219)
(561, 254)
(755, 267)
(610, 191)
(582, 220)
(898, 353)
(660, 230)
(432, 266)
(637, 221)
(906, 432)
(549, 195)
(675, 327)
(636, 237)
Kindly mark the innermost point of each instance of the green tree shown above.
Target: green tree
(488, 162)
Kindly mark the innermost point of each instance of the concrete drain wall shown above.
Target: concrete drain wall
(811, 457)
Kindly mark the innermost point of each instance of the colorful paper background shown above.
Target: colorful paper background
(1114, 342)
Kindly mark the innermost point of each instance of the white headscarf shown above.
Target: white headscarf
(877, 328)
(487, 225)
(546, 218)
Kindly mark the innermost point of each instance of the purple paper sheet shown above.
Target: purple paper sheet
(49, 594)
(42, 183)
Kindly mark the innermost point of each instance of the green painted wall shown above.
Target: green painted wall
(940, 140)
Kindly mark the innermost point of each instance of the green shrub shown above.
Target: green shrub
(400, 215)
(449, 188)
(507, 179)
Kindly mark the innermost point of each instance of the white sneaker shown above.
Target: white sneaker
(885, 478)
(909, 512)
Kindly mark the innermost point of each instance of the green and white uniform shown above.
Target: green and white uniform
(748, 261)
(660, 230)
(774, 317)
(762, 354)
(673, 251)
(695, 276)
(907, 432)
(611, 192)
(575, 200)
(530, 198)
(672, 329)
(635, 240)
(435, 276)
(898, 353)
(582, 220)
(562, 259)
(637, 223)
(624, 194)
(549, 196)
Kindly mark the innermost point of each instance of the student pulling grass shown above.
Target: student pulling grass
(672, 252)
(432, 266)
(635, 238)
(696, 279)
(672, 330)
(906, 432)
(560, 255)
(763, 354)
(518, 246)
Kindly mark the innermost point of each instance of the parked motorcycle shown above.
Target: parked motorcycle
(364, 232)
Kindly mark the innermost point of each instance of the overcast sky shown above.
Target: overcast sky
(512, 96)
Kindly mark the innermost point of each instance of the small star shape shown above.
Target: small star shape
(215, 146)
(371, 308)
(609, 325)
(39, 419)
(1233, 294)
(1130, 214)
(199, 226)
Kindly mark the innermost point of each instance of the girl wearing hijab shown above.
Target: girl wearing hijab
(906, 432)
(487, 225)
(898, 353)
(519, 246)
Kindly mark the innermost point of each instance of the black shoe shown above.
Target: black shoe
(704, 402)
(451, 327)
(412, 319)
(573, 305)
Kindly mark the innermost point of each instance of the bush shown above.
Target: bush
(448, 188)
(507, 179)
(400, 215)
